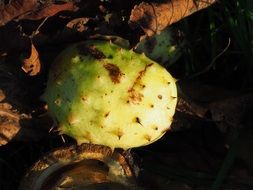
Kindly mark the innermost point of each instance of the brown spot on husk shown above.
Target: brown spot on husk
(147, 137)
(173, 97)
(155, 127)
(114, 72)
(90, 50)
(84, 98)
(142, 72)
(160, 96)
(106, 114)
(134, 95)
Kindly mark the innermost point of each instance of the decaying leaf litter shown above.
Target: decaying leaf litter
(33, 33)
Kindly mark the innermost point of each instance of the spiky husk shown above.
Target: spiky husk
(102, 94)
(161, 47)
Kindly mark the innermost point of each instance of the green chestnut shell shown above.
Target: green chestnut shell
(161, 47)
(103, 94)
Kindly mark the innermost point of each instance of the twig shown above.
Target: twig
(213, 61)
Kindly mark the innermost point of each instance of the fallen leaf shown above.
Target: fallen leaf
(19, 119)
(49, 10)
(2, 95)
(14, 9)
(78, 24)
(9, 123)
(32, 64)
(154, 17)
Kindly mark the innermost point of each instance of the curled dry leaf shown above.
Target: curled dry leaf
(32, 64)
(15, 9)
(154, 17)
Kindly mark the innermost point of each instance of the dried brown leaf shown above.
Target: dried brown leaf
(18, 108)
(78, 24)
(8, 131)
(9, 123)
(14, 9)
(154, 17)
(32, 64)
(17, 125)
(50, 10)
(2, 95)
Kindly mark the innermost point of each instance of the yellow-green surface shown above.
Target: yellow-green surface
(102, 94)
